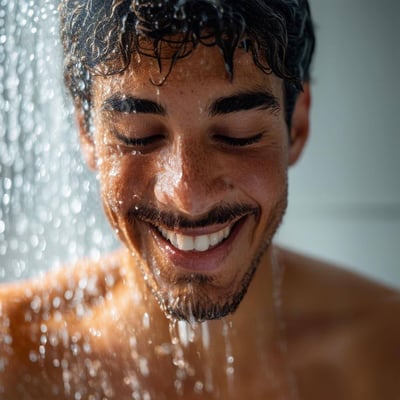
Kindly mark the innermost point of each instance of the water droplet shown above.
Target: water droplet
(146, 395)
(198, 387)
(143, 366)
(76, 206)
(205, 336)
(83, 283)
(183, 332)
(146, 321)
(33, 356)
(7, 340)
(68, 295)
(42, 351)
(7, 183)
(36, 304)
(6, 199)
(56, 302)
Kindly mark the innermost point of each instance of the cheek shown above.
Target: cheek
(111, 181)
(123, 179)
(263, 177)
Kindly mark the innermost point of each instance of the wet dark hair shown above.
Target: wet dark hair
(100, 37)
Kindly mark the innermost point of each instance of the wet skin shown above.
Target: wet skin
(93, 330)
(197, 146)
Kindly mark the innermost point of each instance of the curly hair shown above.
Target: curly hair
(100, 37)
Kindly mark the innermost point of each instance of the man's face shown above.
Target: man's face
(193, 175)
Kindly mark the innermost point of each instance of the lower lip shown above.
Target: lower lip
(199, 261)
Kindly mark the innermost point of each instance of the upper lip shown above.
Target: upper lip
(216, 220)
(207, 230)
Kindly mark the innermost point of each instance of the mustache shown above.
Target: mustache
(219, 215)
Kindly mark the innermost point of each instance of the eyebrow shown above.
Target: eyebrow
(132, 105)
(244, 101)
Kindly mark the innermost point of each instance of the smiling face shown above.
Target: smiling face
(193, 175)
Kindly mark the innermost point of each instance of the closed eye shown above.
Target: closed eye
(239, 142)
(138, 142)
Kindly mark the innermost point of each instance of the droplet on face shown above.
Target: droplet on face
(33, 356)
(146, 321)
(198, 387)
(143, 366)
(183, 333)
(205, 336)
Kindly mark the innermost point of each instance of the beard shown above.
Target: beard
(196, 297)
(195, 304)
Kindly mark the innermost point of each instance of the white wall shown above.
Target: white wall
(345, 192)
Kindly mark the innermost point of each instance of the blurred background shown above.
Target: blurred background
(344, 203)
(345, 192)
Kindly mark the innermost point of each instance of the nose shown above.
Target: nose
(190, 179)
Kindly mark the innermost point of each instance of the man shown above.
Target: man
(191, 112)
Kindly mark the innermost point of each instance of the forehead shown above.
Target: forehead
(202, 73)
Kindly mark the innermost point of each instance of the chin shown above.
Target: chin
(194, 303)
(195, 297)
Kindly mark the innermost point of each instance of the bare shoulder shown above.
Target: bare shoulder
(342, 328)
(40, 315)
(333, 287)
(62, 288)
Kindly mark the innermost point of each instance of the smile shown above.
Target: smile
(199, 249)
(199, 243)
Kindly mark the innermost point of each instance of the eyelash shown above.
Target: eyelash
(146, 141)
(137, 142)
(239, 142)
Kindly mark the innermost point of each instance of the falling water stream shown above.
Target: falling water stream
(50, 211)
(49, 207)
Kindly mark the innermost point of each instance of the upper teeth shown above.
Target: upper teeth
(197, 243)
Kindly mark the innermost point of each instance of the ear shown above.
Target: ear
(300, 124)
(86, 140)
